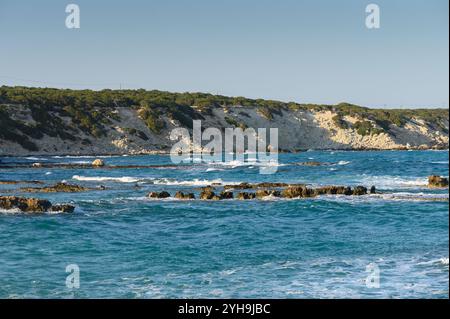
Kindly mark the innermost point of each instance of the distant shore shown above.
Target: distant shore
(167, 153)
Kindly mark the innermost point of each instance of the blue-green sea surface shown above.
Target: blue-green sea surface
(129, 246)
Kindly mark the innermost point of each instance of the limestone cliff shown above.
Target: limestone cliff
(66, 126)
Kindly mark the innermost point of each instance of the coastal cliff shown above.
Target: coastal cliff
(36, 121)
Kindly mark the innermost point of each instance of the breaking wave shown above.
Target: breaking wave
(155, 181)
(123, 179)
(394, 182)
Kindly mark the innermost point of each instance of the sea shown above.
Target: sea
(119, 243)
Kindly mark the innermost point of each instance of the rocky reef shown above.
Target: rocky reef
(262, 190)
(33, 205)
(435, 181)
(57, 188)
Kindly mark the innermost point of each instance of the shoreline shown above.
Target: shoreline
(166, 153)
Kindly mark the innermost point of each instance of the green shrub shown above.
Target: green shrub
(339, 122)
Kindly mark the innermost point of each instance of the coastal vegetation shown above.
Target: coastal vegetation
(63, 113)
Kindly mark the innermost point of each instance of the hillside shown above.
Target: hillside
(82, 122)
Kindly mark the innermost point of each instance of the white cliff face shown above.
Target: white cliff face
(297, 130)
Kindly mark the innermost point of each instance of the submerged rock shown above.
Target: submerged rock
(9, 182)
(64, 208)
(435, 181)
(373, 190)
(32, 205)
(57, 188)
(239, 186)
(310, 163)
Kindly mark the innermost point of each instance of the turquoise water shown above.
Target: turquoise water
(127, 245)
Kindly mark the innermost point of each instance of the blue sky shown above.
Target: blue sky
(310, 51)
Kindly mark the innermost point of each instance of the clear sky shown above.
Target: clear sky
(309, 51)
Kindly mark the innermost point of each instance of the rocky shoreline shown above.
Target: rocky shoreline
(440, 147)
(213, 192)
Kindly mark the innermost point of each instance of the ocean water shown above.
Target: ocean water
(129, 246)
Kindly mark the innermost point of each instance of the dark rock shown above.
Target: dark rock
(298, 191)
(359, 190)
(246, 195)
(333, 190)
(226, 195)
(275, 193)
(153, 194)
(25, 204)
(163, 194)
(435, 181)
(181, 195)
(207, 194)
(373, 190)
(64, 208)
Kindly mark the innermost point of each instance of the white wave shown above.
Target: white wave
(343, 162)
(17, 211)
(123, 179)
(237, 163)
(211, 169)
(48, 173)
(444, 261)
(155, 181)
(394, 182)
(10, 211)
(36, 159)
(194, 182)
(440, 162)
(412, 196)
